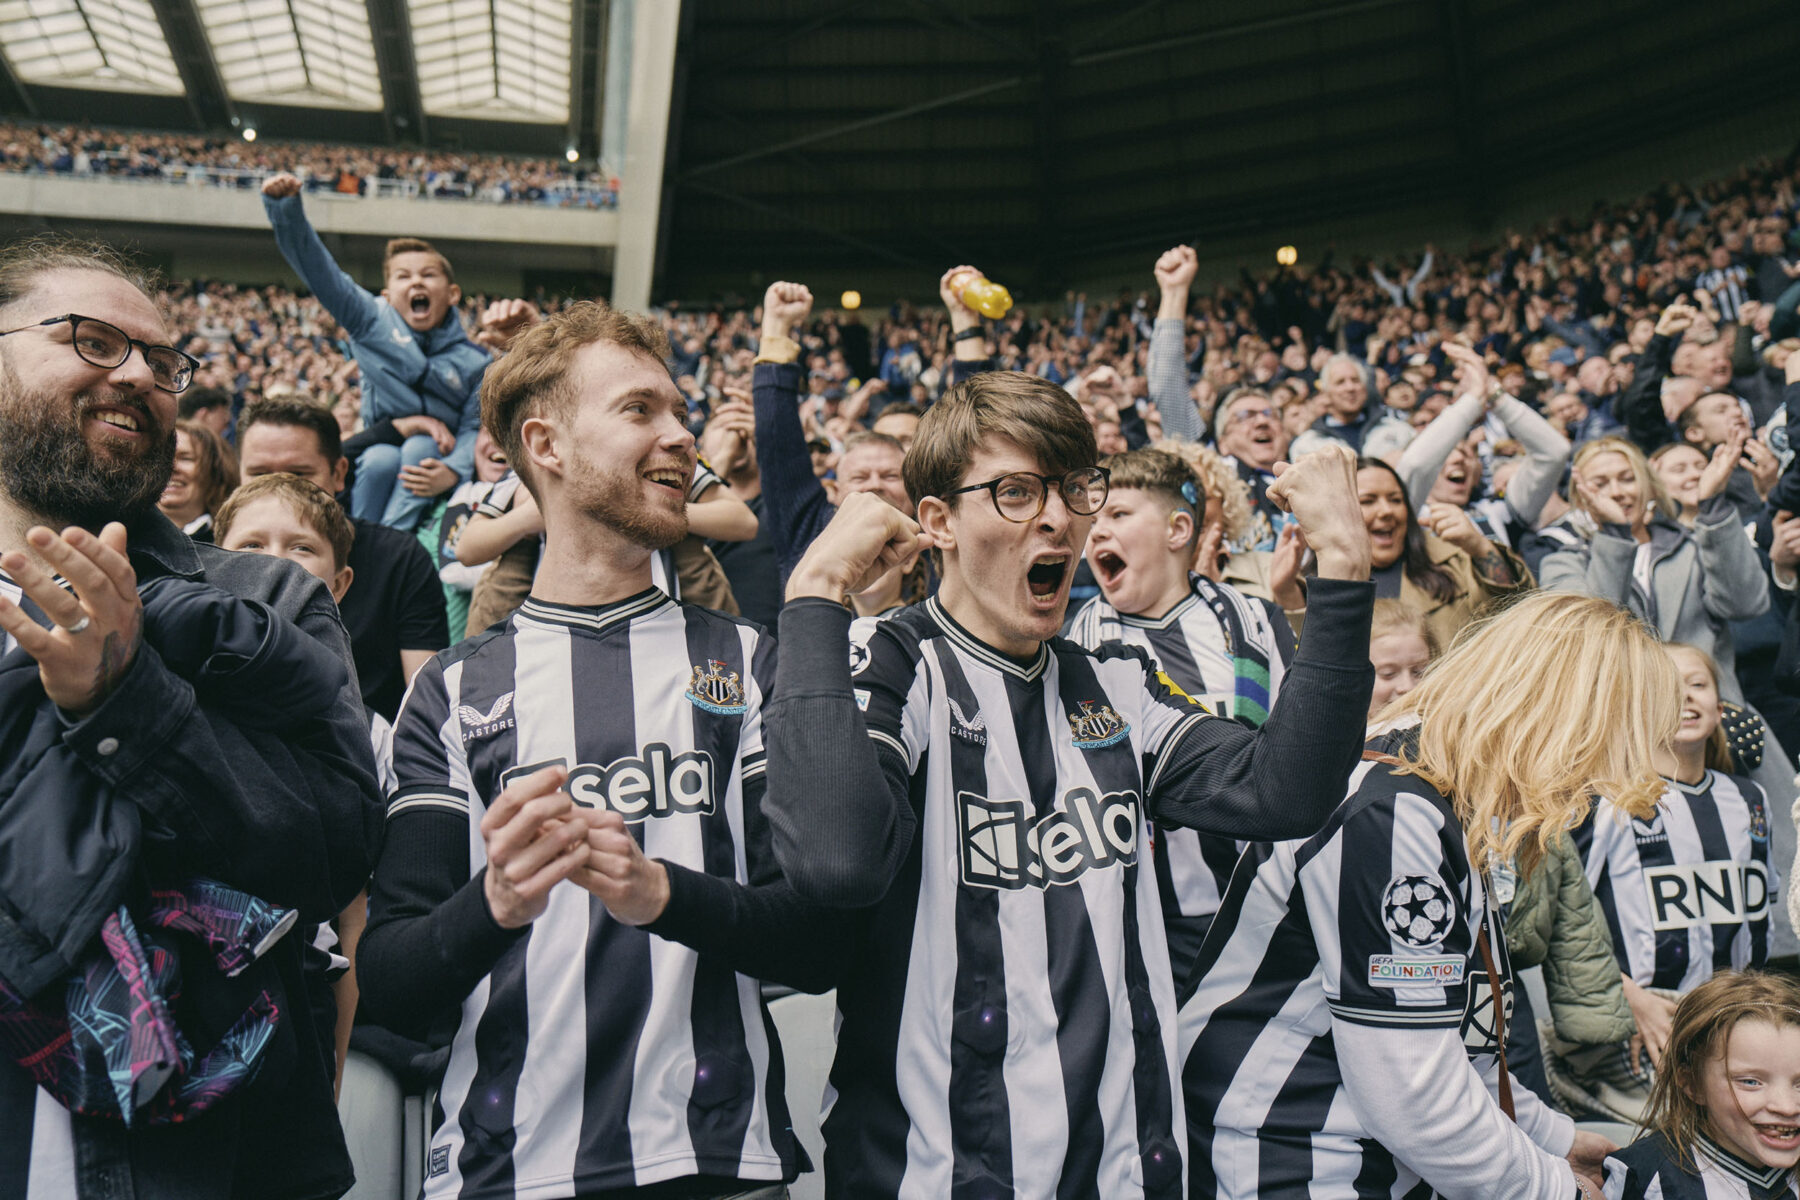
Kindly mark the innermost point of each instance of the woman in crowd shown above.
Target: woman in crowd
(1349, 1007)
(1436, 561)
(1623, 542)
(1680, 467)
(1685, 880)
(1443, 465)
(206, 472)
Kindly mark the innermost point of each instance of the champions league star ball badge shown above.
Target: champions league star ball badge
(1416, 909)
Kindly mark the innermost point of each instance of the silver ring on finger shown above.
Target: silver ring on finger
(79, 626)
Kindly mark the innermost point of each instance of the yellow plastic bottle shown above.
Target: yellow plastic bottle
(987, 298)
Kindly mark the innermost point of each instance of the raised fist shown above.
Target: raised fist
(785, 306)
(1176, 268)
(504, 320)
(281, 186)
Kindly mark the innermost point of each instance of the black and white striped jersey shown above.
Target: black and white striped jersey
(1228, 651)
(593, 1055)
(1007, 1027)
(1686, 891)
(1372, 921)
(1650, 1169)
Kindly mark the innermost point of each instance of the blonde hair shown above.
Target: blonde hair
(1718, 745)
(1397, 616)
(1494, 735)
(1698, 1033)
(1650, 486)
(1217, 479)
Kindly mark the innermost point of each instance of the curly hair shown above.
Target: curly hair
(1224, 490)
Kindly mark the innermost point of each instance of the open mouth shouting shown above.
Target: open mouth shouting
(1046, 575)
(1108, 568)
(419, 303)
(1384, 535)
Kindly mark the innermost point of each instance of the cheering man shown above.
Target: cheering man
(88, 386)
(983, 792)
(601, 723)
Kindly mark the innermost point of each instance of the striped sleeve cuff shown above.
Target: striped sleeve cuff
(422, 799)
(1399, 1018)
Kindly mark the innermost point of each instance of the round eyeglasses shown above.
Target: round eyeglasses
(108, 346)
(1020, 495)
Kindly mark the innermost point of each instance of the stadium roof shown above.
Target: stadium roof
(498, 75)
(1054, 139)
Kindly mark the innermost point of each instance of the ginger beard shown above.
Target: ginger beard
(646, 505)
(80, 461)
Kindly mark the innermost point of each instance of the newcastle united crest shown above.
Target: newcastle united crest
(716, 689)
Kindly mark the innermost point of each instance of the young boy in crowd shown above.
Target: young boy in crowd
(1225, 649)
(414, 356)
(289, 517)
(442, 534)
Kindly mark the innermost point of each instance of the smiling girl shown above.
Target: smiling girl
(1686, 883)
(1724, 1114)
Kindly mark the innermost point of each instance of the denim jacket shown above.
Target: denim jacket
(437, 373)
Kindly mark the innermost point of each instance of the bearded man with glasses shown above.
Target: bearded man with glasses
(982, 791)
(116, 716)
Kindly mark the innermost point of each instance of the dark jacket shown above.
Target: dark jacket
(293, 816)
(71, 841)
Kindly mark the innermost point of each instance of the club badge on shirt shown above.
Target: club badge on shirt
(716, 690)
(1091, 728)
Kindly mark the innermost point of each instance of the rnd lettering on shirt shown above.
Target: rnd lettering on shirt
(656, 783)
(1002, 847)
(1708, 893)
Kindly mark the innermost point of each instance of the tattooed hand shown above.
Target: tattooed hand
(99, 624)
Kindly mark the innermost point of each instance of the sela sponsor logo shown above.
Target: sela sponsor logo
(1443, 970)
(1708, 893)
(1004, 847)
(716, 689)
(658, 783)
(1091, 728)
(969, 729)
(476, 723)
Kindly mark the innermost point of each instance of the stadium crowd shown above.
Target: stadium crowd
(81, 151)
(1195, 707)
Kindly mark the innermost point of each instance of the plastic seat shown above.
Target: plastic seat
(373, 1109)
(807, 1027)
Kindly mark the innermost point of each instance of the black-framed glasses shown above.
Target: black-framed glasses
(1020, 495)
(108, 346)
